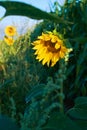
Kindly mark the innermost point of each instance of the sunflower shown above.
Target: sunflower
(9, 40)
(10, 31)
(49, 48)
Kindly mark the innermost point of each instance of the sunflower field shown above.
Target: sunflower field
(43, 73)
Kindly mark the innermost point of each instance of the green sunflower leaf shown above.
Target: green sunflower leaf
(81, 100)
(79, 112)
(23, 9)
(59, 121)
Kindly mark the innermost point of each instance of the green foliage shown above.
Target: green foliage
(15, 75)
(79, 112)
(40, 104)
(76, 33)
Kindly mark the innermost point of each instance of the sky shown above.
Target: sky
(26, 22)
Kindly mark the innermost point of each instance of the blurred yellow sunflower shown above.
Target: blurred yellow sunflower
(10, 31)
(9, 40)
(49, 49)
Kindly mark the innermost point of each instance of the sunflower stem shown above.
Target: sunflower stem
(61, 99)
(61, 76)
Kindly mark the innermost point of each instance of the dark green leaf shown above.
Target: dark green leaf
(36, 92)
(79, 112)
(19, 8)
(59, 121)
(81, 100)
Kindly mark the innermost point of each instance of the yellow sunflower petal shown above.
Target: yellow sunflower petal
(37, 47)
(55, 58)
(53, 38)
(57, 46)
(40, 57)
(61, 54)
(46, 37)
(47, 59)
